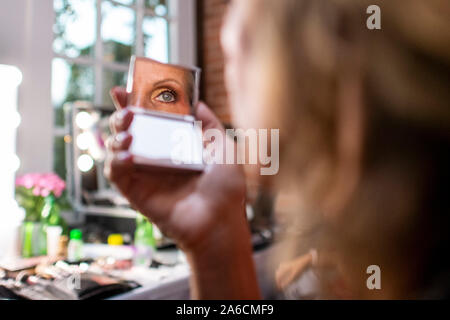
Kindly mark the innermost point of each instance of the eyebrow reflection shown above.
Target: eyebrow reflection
(158, 83)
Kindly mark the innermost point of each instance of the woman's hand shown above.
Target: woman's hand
(185, 206)
(204, 213)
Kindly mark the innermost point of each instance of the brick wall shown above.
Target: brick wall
(210, 17)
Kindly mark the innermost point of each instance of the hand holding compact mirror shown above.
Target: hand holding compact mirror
(163, 99)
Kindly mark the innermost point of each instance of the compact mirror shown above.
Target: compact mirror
(163, 99)
(161, 87)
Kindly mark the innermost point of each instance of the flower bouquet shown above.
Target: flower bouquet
(33, 188)
(41, 196)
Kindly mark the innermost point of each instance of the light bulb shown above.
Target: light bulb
(12, 162)
(84, 141)
(85, 163)
(84, 120)
(10, 76)
(16, 119)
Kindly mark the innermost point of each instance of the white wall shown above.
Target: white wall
(26, 41)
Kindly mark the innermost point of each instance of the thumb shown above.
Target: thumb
(208, 118)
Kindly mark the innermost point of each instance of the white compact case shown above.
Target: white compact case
(163, 140)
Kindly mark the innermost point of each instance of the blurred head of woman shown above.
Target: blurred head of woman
(364, 121)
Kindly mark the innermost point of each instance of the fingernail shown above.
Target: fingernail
(122, 136)
(123, 156)
(122, 114)
(113, 96)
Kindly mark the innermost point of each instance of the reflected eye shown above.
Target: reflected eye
(166, 97)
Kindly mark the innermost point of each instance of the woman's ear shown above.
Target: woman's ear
(349, 141)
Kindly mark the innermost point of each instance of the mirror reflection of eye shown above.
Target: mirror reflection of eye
(166, 97)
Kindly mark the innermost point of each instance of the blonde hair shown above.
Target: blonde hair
(377, 156)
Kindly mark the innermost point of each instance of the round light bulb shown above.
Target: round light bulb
(84, 120)
(16, 119)
(11, 162)
(84, 141)
(15, 162)
(85, 163)
(10, 76)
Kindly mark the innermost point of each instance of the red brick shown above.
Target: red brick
(212, 62)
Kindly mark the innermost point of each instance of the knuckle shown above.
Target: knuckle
(112, 120)
(109, 143)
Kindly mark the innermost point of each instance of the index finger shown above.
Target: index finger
(120, 120)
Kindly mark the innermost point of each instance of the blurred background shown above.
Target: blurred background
(59, 59)
(72, 52)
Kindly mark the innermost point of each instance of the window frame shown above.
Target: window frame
(182, 50)
(182, 34)
(31, 48)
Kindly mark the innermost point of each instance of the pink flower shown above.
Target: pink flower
(19, 181)
(45, 193)
(58, 193)
(42, 184)
(27, 181)
(36, 191)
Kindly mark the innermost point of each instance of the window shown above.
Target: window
(93, 42)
